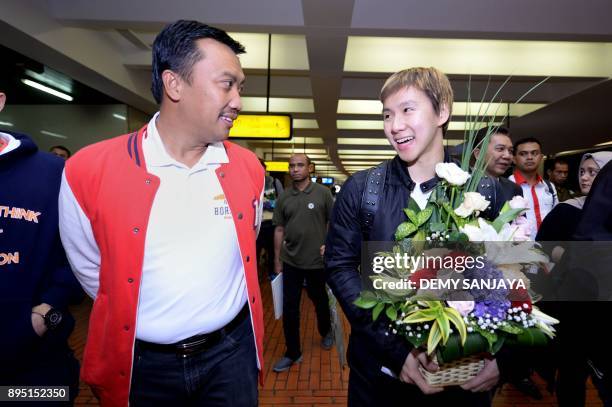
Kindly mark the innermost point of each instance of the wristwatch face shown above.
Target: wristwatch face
(53, 318)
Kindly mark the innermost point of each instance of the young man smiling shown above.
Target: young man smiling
(417, 106)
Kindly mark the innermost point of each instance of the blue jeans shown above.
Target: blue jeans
(224, 375)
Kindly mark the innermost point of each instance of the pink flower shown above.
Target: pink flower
(522, 227)
(518, 202)
(463, 307)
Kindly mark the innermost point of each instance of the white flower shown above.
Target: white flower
(518, 202)
(452, 173)
(472, 202)
(484, 232)
(463, 307)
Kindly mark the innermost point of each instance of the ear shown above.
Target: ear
(476, 152)
(443, 115)
(2, 100)
(173, 85)
(311, 168)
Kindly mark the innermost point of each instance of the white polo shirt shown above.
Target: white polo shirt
(542, 199)
(193, 277)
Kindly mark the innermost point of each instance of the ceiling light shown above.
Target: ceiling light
(7, 124)
(118, 116)
(49, 133)
(47, 89)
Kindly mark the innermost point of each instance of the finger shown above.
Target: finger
(427, 363)
(473, 383)
(425, 387)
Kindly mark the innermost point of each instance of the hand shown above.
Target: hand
(278, 267)
(322, 250)
(485, 380)
(38, 321)
(410, 371)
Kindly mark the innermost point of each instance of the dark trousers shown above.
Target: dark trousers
(48, 366)
(224, 375)
(374, 388)
(265, 241)
(293, 282)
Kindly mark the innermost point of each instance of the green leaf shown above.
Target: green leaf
(423, 216)
(377, 310)
(511, 329)
(405, 229)
(365, 303)
(434, 338)
(498, 345)
(391, 312)
(505, 218)
(437, 227)
(455, 318)
(412, 216)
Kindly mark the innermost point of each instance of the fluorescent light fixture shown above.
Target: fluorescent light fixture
(607, 143)
(288, 51)
(305, 124)
(389, 152)
(374, 107)
(52, 78)
(452, 142)
(349, 163)
(7, 124)
(363, 157)
(298, 141)
(277, 105)
(360, 124)
(381, 141)
(378, 125)
(49, 133)
(312, 156)
(480, 57)
(296, 150)
(47, 89)
(568, 152)
(118, 116)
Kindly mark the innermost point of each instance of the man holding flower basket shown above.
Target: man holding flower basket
(398, 336)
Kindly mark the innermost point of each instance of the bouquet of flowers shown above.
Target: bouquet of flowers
(460, 291)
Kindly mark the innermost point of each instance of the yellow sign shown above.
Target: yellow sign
(259, 126)
(277, 166)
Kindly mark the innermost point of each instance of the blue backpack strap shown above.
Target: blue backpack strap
(374, 186)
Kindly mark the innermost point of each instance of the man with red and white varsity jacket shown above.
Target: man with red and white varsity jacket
(160, 228)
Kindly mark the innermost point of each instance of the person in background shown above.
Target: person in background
(559, 227)
(36, 284)
(540, 193)
(557, 174)
(498, 158)
(61, 151)
(301, 217)
(265, 240)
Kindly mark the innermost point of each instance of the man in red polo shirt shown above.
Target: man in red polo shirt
(540, 193)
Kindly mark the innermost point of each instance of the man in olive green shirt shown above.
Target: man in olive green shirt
(301, 216)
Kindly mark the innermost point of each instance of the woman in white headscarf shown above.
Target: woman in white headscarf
(561, 223)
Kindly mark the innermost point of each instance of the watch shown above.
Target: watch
(53, 318)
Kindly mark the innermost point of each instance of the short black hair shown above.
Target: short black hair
(480, 134)
(552, 163)
(525, 141)
(61, 148)
(175, 48)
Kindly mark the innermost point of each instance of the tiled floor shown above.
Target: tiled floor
(318, 380)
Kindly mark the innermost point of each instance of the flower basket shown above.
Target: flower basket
(454, 373)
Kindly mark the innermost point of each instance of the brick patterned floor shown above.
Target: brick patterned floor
(319, 379)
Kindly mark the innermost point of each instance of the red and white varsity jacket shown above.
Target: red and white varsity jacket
(107, 192)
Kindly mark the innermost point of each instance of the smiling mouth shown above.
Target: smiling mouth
(404, 140)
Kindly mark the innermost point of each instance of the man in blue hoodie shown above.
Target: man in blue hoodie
(36, 283)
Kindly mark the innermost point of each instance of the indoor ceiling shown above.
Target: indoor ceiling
(329, 59)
